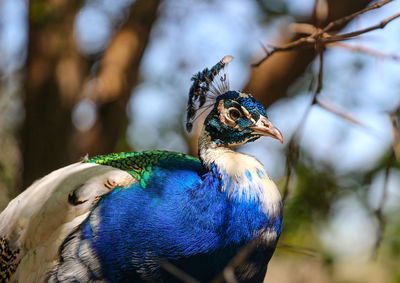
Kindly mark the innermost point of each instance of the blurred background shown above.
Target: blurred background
(97, 76)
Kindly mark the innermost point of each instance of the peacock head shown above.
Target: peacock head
(238, 118)
(235, 118)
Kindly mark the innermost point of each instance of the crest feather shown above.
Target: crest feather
(207, 85)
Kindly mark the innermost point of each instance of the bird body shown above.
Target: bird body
(119, 217)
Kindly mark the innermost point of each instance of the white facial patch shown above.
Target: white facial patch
(248, 115)
(224, 116)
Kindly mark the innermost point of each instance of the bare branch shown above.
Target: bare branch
(303, 28)
(318, 39)
(380, 230)
(395, 117)
(292, 154)
(302, 42)
(177, 272)
(229, 275)
(320, 72)
(322, 37)
(331, 107)
(228, 272)
(293, 148)
(349, 35)
(300, 250)
(366, 50)
(348, 18)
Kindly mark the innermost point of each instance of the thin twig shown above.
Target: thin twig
(302, 28)
(318, 39)
(228, 272)
(348, 18)
(320, 49)
(322, 37)
(291, 159)
(229, 275)
(300, 250)
(177, 272)
(292, 155)
(302, 42)
(366, 50)
(394, 116)
(380, 230)
(331, 107)
(349, 35)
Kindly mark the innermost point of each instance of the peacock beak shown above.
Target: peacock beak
(264, 127)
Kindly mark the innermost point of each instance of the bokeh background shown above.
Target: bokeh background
(97, 76)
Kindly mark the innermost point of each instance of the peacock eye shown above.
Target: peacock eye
(234, 114)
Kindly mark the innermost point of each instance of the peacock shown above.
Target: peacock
(137, 217)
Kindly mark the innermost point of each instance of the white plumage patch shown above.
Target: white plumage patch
(243, 176)
(40, 218)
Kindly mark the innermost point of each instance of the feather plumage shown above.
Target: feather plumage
(116, 217)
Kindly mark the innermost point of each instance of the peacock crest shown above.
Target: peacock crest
(207, 86)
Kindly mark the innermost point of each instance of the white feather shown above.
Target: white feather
(39, 219)
(237, 166)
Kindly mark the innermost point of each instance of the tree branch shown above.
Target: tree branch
(321, 36)
(270, 81)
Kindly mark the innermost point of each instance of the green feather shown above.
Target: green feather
(139, 164)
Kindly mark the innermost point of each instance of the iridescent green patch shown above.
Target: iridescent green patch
(139, 164)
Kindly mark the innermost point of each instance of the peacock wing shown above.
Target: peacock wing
(35, 223)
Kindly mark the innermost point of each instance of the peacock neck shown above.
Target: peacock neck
(242, 177)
